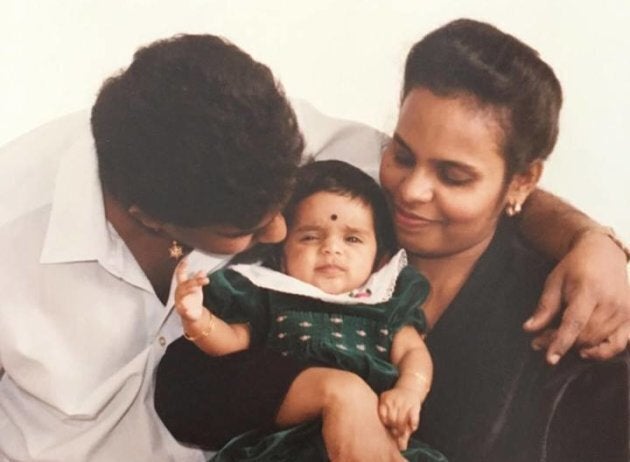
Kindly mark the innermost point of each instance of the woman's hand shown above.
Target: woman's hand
(188, 293)
(592, 282)
(399, 410)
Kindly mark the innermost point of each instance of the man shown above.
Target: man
(194, 146)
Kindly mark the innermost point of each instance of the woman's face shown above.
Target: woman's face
(444, 174)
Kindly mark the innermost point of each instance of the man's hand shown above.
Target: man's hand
(592, 282)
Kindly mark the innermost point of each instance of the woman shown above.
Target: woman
(465, 155)
(452, 243)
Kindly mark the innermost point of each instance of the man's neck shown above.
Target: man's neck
(149, 248)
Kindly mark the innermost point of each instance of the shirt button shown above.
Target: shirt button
(162, 341)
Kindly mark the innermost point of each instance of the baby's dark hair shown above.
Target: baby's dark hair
(342, 178)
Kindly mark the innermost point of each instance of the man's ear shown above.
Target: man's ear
(522, 184)
(146, 220)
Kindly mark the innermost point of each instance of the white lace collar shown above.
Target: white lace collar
(378, 288)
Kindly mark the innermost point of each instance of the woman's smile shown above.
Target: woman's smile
(408, 220)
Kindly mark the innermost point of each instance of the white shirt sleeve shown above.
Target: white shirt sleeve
(331, 138)
(28, 163)
(81, 333)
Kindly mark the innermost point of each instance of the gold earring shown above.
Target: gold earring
(175, 251)
(513, 208)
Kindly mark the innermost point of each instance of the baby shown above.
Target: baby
(335, 299)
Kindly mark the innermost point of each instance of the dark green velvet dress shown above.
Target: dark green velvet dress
(353, 336)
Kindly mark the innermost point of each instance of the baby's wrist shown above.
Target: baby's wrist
(199, 328)
(413, 380)
(192, 319)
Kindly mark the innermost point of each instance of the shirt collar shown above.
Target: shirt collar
(77, 229)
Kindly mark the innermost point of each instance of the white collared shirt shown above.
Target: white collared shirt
(81, 329)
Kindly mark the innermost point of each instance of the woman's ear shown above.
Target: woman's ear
(146, 220)
(521, 186)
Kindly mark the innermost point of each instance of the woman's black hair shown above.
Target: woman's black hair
(472, 58)
(347, 180)
(195, 133)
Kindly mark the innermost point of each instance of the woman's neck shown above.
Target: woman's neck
(149, 248)
(447, 274)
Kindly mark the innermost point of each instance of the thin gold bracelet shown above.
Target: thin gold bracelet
(205, 332)
(418, 376)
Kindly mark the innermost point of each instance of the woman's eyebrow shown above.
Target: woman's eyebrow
(450, 163)
(459, 165)
(402, 142)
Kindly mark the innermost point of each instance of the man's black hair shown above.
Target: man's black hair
(195, 133)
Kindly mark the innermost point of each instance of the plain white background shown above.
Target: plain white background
(346, 57)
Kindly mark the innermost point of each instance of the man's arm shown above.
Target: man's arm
(590, 281)
(554, 226)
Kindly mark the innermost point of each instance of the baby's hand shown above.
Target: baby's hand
(399, 410)
(188, 293)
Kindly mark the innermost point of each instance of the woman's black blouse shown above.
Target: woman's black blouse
(495, 399)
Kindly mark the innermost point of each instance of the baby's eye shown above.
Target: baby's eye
(353, 239)
(308, 238)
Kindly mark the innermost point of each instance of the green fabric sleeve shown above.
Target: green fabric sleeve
(234, 299)
(411, 291)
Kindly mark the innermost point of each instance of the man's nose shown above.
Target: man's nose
(275, 231)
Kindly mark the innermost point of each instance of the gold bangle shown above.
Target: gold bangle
(205, 332)
(423, 379)
(606, 231)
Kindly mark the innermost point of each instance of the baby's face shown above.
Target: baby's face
(331, 243)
